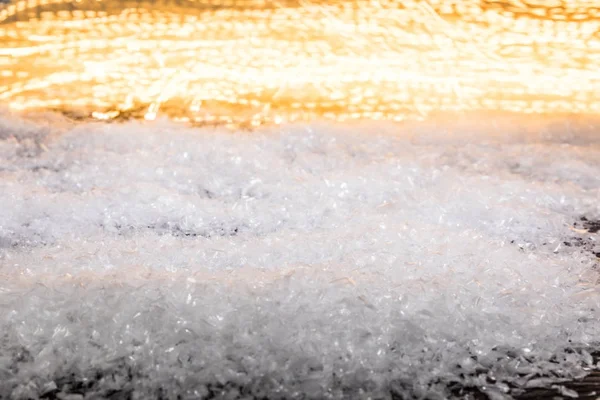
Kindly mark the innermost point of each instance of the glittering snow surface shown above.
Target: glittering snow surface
(148, 260)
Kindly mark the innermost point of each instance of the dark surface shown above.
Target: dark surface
(587, 388)
(592, 226)
(584, 241)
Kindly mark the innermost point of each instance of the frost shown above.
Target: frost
(155, 260)
(566, 391)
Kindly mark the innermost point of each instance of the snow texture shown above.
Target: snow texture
(152, 260)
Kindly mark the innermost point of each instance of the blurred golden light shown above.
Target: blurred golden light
(251, 62)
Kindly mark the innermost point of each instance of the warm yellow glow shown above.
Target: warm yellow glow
(256, 61)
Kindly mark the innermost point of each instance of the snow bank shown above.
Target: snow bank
(147, 260)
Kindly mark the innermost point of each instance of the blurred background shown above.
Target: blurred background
(251, 62)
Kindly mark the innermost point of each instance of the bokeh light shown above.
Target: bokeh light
(250, 62)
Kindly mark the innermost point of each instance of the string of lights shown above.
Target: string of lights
(250, 62)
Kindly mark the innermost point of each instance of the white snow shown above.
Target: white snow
(296, 262)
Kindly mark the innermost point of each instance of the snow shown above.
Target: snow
(314, 261)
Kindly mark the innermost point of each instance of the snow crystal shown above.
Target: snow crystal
(149, 260)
